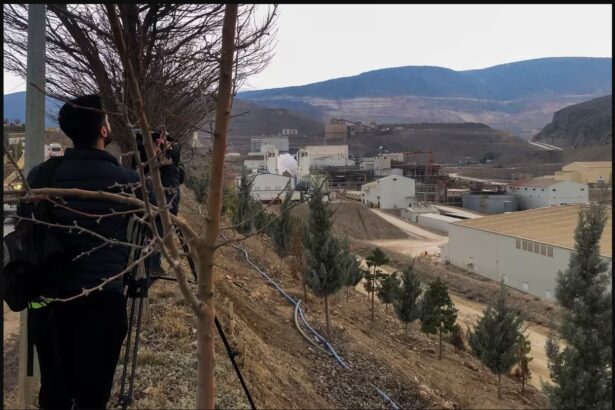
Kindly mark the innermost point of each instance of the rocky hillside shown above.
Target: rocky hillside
(581, 125)
(254, 120)
(519, 97)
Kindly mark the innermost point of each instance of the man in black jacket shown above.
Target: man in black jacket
(78, 342)
(171, 180)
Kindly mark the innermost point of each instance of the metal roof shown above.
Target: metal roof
(554, 225)
(537, 182)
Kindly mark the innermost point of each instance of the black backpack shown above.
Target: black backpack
(31, 250)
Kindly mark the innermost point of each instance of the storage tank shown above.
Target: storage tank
(490, 202)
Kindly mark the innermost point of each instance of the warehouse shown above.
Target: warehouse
(394, 191)
(524, 249)
(545, 191)
(437, 222)
(269, 187)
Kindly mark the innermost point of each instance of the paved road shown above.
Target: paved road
(485, 181)
(412, 230)
(458, 211)
(547, 147)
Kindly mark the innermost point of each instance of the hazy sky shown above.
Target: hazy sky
(319, 42)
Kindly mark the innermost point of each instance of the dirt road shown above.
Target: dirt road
(412, 230)
(420, 240)
(469, 312)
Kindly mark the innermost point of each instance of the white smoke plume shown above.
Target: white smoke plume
(286, 162)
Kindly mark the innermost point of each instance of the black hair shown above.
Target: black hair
(82, 125)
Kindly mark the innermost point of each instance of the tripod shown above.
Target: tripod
(137, 284)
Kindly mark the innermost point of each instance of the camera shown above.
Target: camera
(167, 145)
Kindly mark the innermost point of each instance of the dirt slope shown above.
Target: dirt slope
(354, 220)
(283, 370)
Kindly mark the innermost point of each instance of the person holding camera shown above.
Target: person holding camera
(79, 341)
(168, 150)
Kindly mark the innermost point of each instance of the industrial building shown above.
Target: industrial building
(415, 210)
(547, 191)
(490, 202)
(524, 249)
(336, 129)
(454, 196)
(258, 144)
(394, 191)
(591, 173)
(268, 187)
(265, 160)
(437, 222)
(322, 156)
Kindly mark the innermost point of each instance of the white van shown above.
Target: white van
(53, 150)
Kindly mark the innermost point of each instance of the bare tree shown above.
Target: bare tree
(175, 50)
(109, 49)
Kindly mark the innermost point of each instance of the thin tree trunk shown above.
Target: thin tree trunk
(373, 301)
(347, 293)
(499, 386)
(327, 316)
(440, 355)
(205, 342)
(373, 291)
(523, 384)
(305, 293)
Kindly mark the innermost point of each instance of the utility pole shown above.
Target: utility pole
(35, 131)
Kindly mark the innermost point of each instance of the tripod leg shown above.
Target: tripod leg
(122, 398)
(133, 367)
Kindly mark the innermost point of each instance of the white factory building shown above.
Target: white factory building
(269, 187)
(547, 191)
(524, 249)
(319, 156)
(391, 192)
(267, 184)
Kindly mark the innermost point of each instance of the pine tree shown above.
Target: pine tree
(324, 271)
(389, 287)
(406, 302)
(281, 229)
(495, 338)
(523, 360)
(438, 313)
(456, 338)
(245, 204)
(296, 253)
(375, 259)
(582, 370)
(354, 273)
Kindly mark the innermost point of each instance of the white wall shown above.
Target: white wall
(331, 161)
(436, 221)
(390, 192)
(496, 257)
(254, 164)
(561, 192)
(267, 187)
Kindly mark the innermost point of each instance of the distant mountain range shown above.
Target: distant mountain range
(15, 108)
(519, 97)
(587, 124)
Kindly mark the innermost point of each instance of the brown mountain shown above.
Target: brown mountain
(586, 124)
